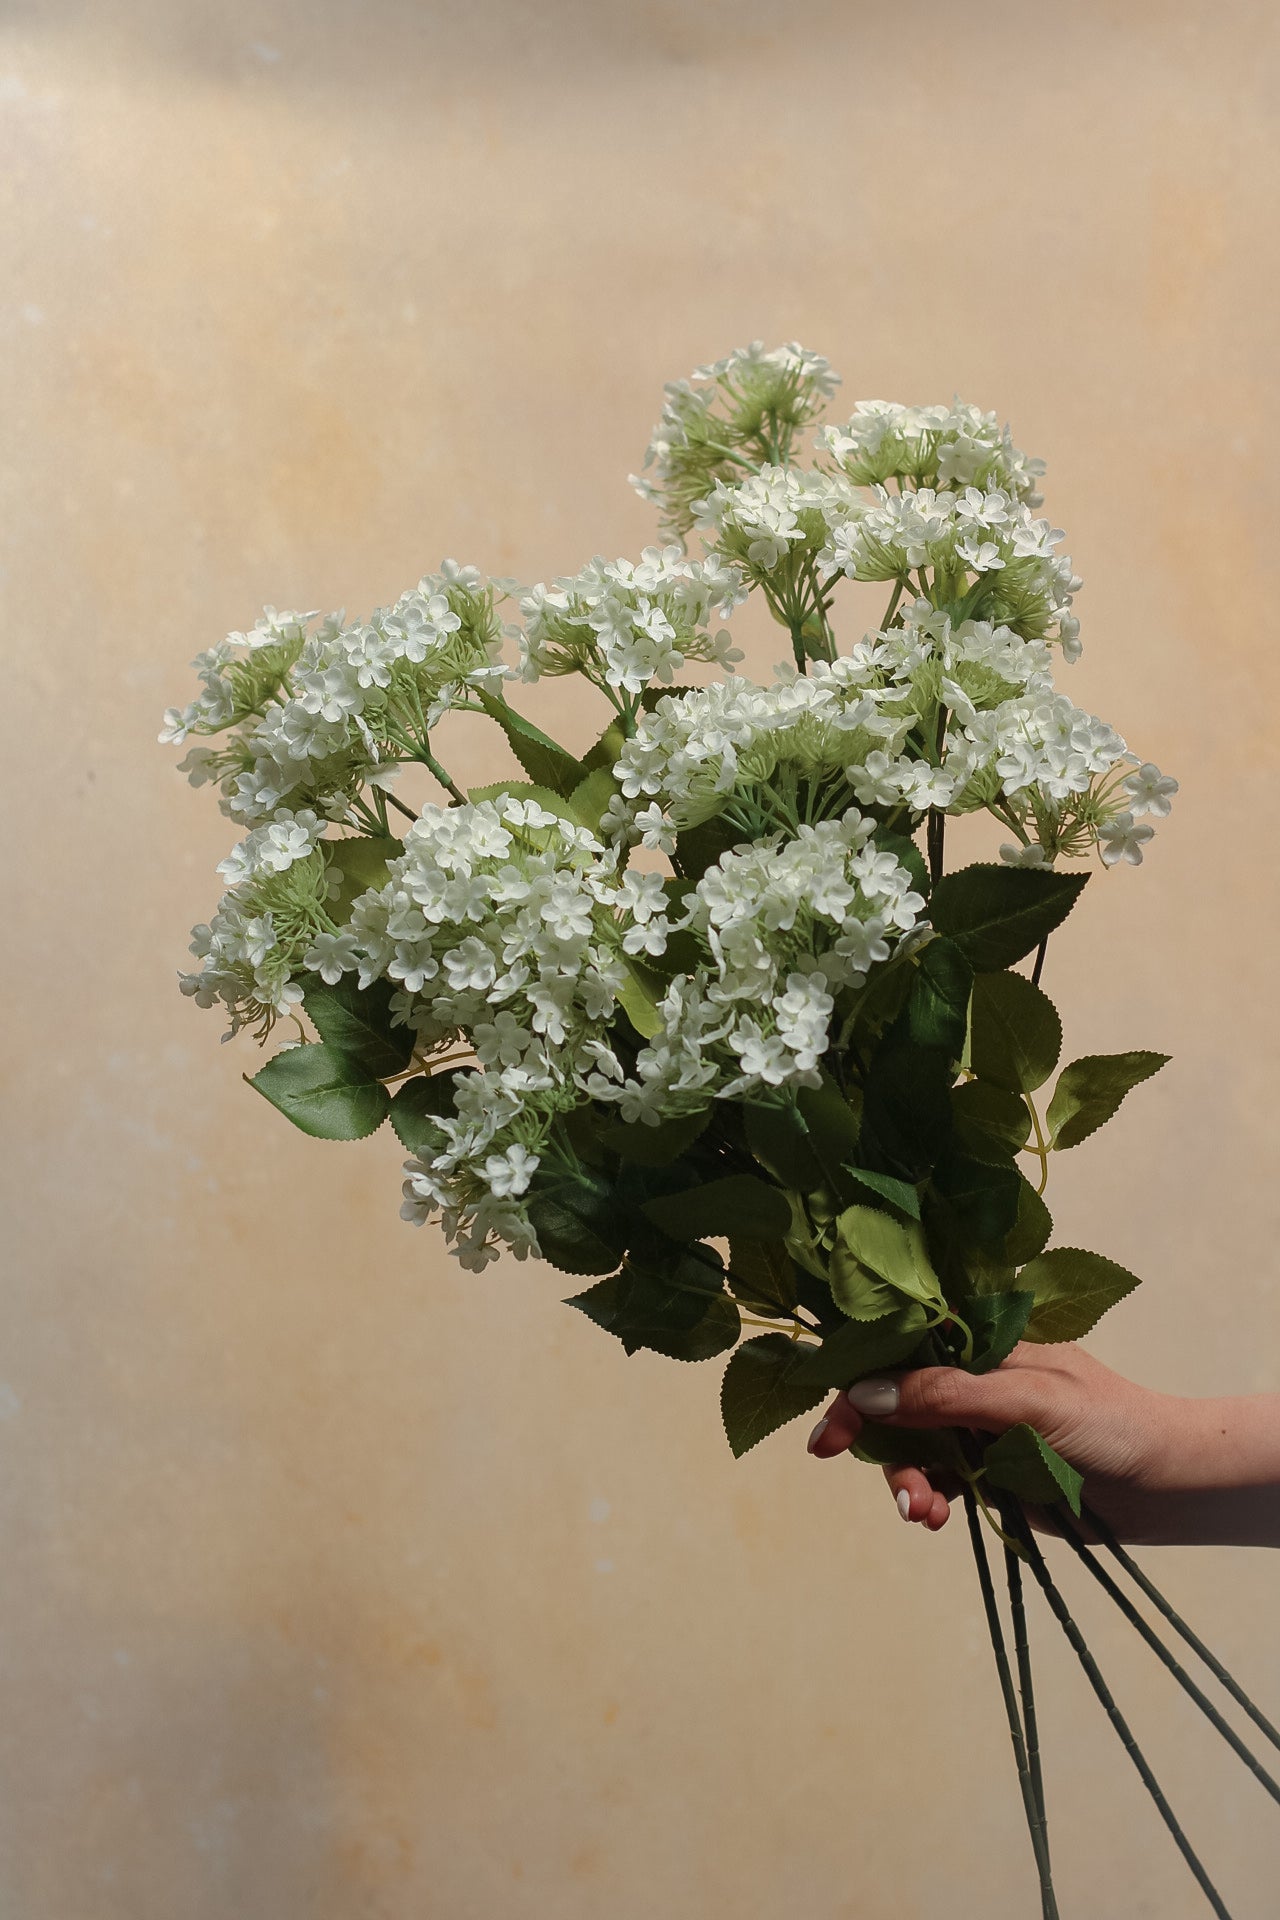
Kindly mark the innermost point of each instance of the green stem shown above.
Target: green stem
(1022, 1652)
(1039, 1841)
(1118, 1721)
(1179, 1625)
(1163, 1654)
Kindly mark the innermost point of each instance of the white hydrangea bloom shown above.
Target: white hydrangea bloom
(774, 514)
(628, 624)
(950, 446)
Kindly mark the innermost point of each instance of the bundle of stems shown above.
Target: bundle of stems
(1020, 1547)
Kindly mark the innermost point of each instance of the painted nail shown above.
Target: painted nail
(904, 1503)
(874, 1398)
(818, 1432)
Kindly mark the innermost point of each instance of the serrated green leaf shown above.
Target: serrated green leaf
(542, 758)
(698, 848)
(655, 1146)
(1022, 1462)
(997, 1322)
(638, 996)
(681, 1311)
(1072, 1290)
(780, 1142)
(1090, 1090)
(591, 798)
(1015, 1033)
(762, 1274)
(607, 750)
(983, 1195)
(996, 915)
(357, 1021)
(760, 1392)
(892, 1250)
(860, 1347)
(1032, 1227)
(990, 1122)
(358, 864)
(324, 1092)
(738, 1204)
(419, 1102)
(906, 1110)
(579, 1224)
(906, 1198)
(938, 1003)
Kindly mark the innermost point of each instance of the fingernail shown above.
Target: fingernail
(904, 1503)
(818, 1432)
(875, 1398)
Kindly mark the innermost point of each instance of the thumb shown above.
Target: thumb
(950, 1397)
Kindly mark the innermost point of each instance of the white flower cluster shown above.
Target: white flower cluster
(956, 446)
(745, 410)
(319, 716)
(991, 534)
(775, 513)
(625, 624)
(785, 923)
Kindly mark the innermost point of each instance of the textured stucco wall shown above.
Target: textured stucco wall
(336, 1582)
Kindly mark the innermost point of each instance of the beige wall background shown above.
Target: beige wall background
(336, 1582)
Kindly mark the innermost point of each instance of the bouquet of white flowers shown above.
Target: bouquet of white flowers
(700, 1015)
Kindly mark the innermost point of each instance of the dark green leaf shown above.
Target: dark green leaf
(997, 1322)
(990, 1123)
(542, 759)
(698, 848)
(860, 1347)
(906, 1111)
(681, 1311)
(938, 1003)
(358, 864)
(324, 1092)
(418, 1103)
(1016, 1035)
(780, 1141)
(762, 1274)
(1022, 1462)
(607, 750)
(902, 1196)
(579, 1224)
(983, 1196)
(760, 1392)
(996, 915)
(1072, 1290)
(936, 1448)
(357, 1021)
(1089, 1091)
(737, 1204)
(656, 1146)
(1032, 1227)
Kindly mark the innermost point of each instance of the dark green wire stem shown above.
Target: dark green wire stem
(1022, 1652)
(1179, 1625)
(1117, 1719)
(1035, 1827)
(1162, 1653)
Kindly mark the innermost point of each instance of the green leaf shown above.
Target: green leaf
(1032, 1227)
(1022, 1462)
(902, 1196)
(997, 1322)
(357, 1020)
(738, 1204)
(1015, 1033)
(760, 1392)
(882, 1446)
(780, 1141)
(860, 1347)
(419, 1102)
(906, 1111)
(762, 1274)
(655, 1146)
(546, 798)
(996, 915)
(607, 750)
(681, 1311)
(579, 1224)
(984, 1197)
(1090, 1090)
(358, 864)
(892, 1250)
(591, 797)
(542, 759)
(1072, 1290)
(324, 1092)
(638, 996)
(990, 1123)
(938, 1003)
(698, 848)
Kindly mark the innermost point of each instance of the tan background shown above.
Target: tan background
(335, 1582)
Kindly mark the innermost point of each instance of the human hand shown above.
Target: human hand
(1158, 1468)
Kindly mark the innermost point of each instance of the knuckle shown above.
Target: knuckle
(934, 1391)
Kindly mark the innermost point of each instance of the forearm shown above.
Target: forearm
(1214, 1474)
